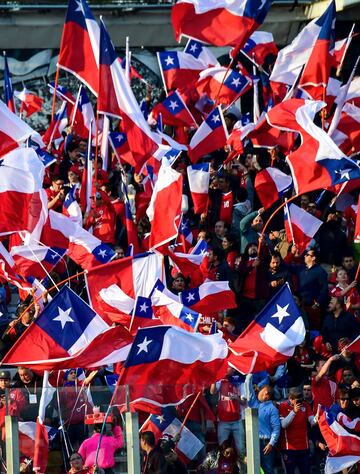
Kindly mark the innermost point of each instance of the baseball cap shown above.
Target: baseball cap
(5, 374)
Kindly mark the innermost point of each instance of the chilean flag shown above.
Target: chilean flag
(84, 119)
(30, 103)
(27, 437)
(21, 177)
(53, 134)
(354, 346)
(109, 284)
(211, 296)
(174, 111)
(300, 226)
(14, 131)
(27, 258)
(170, 311)
(164, 210)
(79, 49)
(8, 89)
(271, 184)
(260, 45)
(270, 339)
(120, 145)
(117, 99)
(220, 23)
(347, 133)
(71, 207)
(9, 271)
(199, 180)
(166, 424)
(318, 162)
(200, 52)
(178, 69)
(163, 354)
(185, 236)
(315, 75)
(344, 447)
(82, 247)
(210, 136)
(211, 82)
(66, 325)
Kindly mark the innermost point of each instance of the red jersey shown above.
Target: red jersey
(51, 194)
(226, 207)
(295, 435)
(229, 407)
(102, 218)
(323, 392)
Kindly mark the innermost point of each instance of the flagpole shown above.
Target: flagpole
(54, 93)
(272, 215)
(347, 45)
(127, 58)
(189, 411)
(289, 219)
(42, 266)
(76, 105)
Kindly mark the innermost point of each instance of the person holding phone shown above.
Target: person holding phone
(295, 414)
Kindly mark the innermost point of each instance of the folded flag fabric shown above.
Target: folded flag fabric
(271, 184)
(259, 46)
(35, 260)
(199, 51)
(300, 226)
(27, 436)
(271, 338)
(174, 111)
(9, 271)
(30, 103)
(199, 179)
(211, 296)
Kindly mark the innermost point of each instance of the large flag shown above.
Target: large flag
(21, 178)
(174, 111)
(271, 184)
(210, 297)
(27, 437)
(164, 210)
(14, 131)
(221, 22)
(161, 355)
(271, 338)
(8, 89)
(82, 247)
(293, 57)
(130, 276)
(210, 136)
(344, 447)
(354, 346)
(259, 46)
(66, 325)
(178, 69)
(199, 179)
(82, 115)
(222, 85)
(30, 103)
(315, 75)
(318, 162)
(300, 226)
(199, 51)
(79, 49)
(116, 98)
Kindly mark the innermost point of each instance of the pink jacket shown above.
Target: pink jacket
(109, 444)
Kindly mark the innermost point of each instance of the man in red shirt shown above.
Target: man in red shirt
(295, 414)
(102, 218)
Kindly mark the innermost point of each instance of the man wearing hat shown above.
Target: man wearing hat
(17, 400)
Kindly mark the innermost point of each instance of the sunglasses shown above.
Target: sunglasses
(344, 399)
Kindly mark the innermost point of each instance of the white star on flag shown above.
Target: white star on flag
(281, 312)
(64, 317)
(189, 317)
(143, 307)
(235, 82)
(345, 173)
(102, 253)
(169, 60)
(143, 346)
(160, 418)
(173, 105)
(215, 118)
(79, 7)
(190, 297)
(119, 138)
(193, 48)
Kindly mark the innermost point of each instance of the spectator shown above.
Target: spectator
(219, 234)
(218, 269)
(77, 465)
(56, 194)
(250, 228)
(153, 461)
(17, 400)
(229, 247)
(277, 274)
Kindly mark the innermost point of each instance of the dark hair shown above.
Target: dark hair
(97, 427)
(57, 178)
(230, 320)
(218, 253)
(72, 146)
(148, 437)
(276, 254)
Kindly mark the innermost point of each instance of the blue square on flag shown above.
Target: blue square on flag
(147, 346)
(190, 297)
(143, 308)
(194, 48)
(169, 60)
(213, 119)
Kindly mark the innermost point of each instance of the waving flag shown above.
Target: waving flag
(318, 162)
(211, 82)
(174, 111)
(116, 98)
(221, 23)
(8, 89)
(199, 51)
(166, 424)
(315, 75)
(354, 346)
(271, 184)
(347, 133)
(71, 207)
(195, 361)
(30, 103)
(53, 134)
(9, 271)
(21, 177)
(14, 131)
(199, 179)
(344, 447)
(210, 136)
(259, 46)
(66, 325)
(36, 260)
(114, 287)
(27, 437)
(84, 118)
(178, 68)
(185, 236)
(293, 57)
(164, 210)
(271, 338)
(120, 145)
(173, 312)
(211, 296)
(79, 49)
(131, 227)
(300, 226)
(82, 247)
